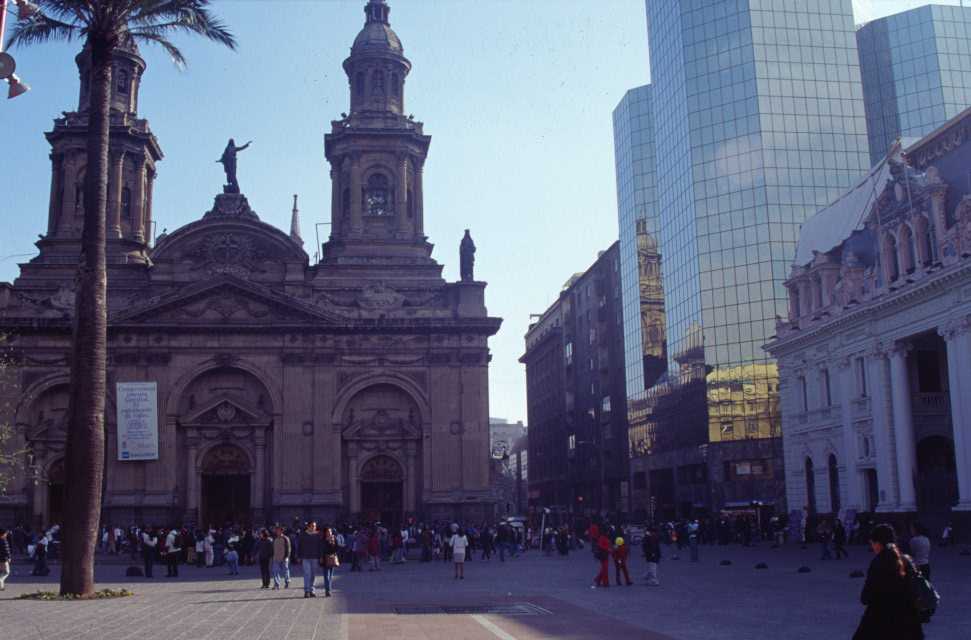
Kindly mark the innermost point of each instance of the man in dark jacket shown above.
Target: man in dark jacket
(651, 546)
(308, 546)
(264, 554)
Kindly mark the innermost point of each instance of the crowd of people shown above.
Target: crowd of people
(888, 592)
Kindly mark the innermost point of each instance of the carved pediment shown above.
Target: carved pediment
(226, 300)
(383, 424)
(226, 412)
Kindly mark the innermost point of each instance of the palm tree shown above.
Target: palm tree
(104, 25)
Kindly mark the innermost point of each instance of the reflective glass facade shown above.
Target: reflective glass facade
(916, 69)
(758, 123)
(636, 211)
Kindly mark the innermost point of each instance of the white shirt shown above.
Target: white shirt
(458, 543)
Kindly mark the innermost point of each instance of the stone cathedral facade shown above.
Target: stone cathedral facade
(352, 388)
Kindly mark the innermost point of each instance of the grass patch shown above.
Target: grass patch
(98, 595)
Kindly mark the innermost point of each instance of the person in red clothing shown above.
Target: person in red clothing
(621, 553)
(601, 551)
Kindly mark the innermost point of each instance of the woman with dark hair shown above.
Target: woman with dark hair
(890, 612)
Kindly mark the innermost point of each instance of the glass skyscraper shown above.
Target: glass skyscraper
(637, 216)
(758, 123)
(916, 69)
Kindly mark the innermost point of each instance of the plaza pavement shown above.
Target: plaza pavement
(531, 597)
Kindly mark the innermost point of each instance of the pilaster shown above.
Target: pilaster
(903, 427)
(854, 479)
(957, 336)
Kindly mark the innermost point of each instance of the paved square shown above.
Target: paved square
(529, 598)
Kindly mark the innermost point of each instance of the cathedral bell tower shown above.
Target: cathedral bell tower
(133, 152)
(376, 154)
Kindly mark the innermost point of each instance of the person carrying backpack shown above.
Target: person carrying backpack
(890, 608)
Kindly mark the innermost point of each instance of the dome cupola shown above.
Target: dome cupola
(377, 67)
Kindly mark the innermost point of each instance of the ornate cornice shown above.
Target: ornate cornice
(955, 328)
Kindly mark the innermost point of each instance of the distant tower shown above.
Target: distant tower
(376, 155)
(133, 152)
(295, 223)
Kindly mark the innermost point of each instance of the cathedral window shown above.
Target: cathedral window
(346, 203)
(123, 81)
(377, 83)
(359, 83)
(126, 203)
(394, 85)
(377, 197)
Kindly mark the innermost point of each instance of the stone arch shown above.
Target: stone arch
(832, 469)
(891, 260)
(810, 479)
(207, 453)
(404, 383)
(376, 468)
(905, 248)
(922, 237)
(178, 389)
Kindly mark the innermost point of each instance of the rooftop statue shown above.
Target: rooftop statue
(467, 257)
(228, 161)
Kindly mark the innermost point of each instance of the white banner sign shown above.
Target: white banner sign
(137, 421)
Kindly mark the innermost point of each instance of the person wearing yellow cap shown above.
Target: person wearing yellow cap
(621, 552)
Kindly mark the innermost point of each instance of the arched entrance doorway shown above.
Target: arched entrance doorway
(225, 486)
(382, 490)
(937, 487)
(55, 493)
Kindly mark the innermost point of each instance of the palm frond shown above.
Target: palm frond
(148, 35)
(79, 12)
(180, 15)
(41, 28)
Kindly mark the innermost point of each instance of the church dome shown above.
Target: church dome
(377, 36)
(646, 241)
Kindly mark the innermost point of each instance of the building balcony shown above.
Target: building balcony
(931, 404)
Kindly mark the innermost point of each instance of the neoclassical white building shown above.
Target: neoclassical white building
(875, 356)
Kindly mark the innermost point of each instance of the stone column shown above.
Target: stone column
(882, 415)
(336, 208)
(192, 481)
(138, 202)
(147, 216)
(411, 472)
(258, 479)
(957, 335)
(419, 201)
(114, 198)
(353, 479)
(903, 422)
(404, 224)
(854, 479)
(357, 221)
(57, 192)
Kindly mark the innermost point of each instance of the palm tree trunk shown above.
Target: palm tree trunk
(86, 438)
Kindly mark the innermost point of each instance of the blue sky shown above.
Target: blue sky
(517, 95)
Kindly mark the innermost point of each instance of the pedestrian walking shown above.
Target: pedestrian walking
(329, 558)
(264, 555)
(890, 612)
(4, 559)
(374, 550)
(40, 556)
(209, 548)
(601, 553)
(171, 549)
(282, 552)
(149, 548)
(839, 539)
(920, 550)
(459, 543)
(308, 547)
(621, 554)
(824, 536)
(692, 531)
(946, 534)
(232, 556)
(651, 546)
